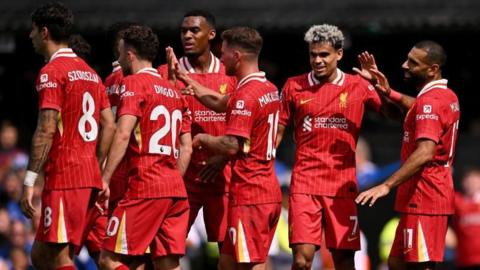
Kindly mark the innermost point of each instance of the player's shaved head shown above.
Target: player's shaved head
(143, 40)
(57, 18)
(325, 33)
(244, 38)
(435, 52)
(209, 18)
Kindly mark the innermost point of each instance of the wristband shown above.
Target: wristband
(30, 178)
(394, 95)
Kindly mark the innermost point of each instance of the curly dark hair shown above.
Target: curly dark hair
(245, 38)
(114, 34)
(80, 46)
(143, 40)
(57, 18)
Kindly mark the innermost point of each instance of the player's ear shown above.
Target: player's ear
(44, 33)
(433, 69)
(212, 34)
(339, 54)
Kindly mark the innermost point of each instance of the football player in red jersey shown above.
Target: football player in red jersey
(466, 221)
(154, 128)
(252, 121)
(207, 178)
(326, 107)
(425, 196)
(75, 123)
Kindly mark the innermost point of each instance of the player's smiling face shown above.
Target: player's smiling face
(416, 68)
(196, 35)
(323, 59)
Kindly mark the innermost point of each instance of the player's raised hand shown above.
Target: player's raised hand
(372, 194)
(367, 62)
(188, 90)
(26, 202)
(215, 165)
(172, 62)
(382, 84)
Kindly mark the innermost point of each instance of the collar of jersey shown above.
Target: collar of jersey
(256, 76)
(312, 81)
(63, 52)
(442, 84)
(149, 70)
(187, 67)
(116, 66)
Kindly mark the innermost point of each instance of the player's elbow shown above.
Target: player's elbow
(121, 136)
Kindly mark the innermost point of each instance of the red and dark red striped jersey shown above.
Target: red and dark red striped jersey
(162, 116)
(466, 223)
(67, 84)
(434, 116)
(207, 121)
(252, 114)
(119, 180)
(326, 119)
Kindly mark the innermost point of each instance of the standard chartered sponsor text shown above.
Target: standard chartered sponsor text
(331, 122)
(208, 116)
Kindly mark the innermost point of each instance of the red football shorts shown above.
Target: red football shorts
(94, 231)
(250, 231)
(309, 215)
(138, 226)
(420, 238)
(215, 208)
(64, 215)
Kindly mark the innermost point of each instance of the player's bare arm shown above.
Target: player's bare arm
(214, 167)
(280, 131)
(225, 145)
(107, 123)
(405, 102)
(211, 99)
(41, 144)
(185, 152)
(424, 153)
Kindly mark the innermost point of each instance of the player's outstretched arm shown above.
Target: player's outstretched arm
(41, 144)
(211, 99)
(185, 152)
(226, 145)
(382, 86)
(107, 123)
(423, 154)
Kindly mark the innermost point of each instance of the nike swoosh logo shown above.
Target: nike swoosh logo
(350, 239)
(407, 251)
(305, 101)
(46, 230)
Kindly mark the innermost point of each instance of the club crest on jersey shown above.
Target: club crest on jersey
(223, 88)
(427, 108)
(44, 78)
(343, 100)
(240, 104)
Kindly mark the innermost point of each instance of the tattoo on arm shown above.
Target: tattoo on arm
(42, 139)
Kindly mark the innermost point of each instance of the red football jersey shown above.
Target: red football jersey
(67, 84)
(207, 121)
(466, 223)
(435, 116)
(119, 180)
(326, 119)
(252, 114)
(153, 150)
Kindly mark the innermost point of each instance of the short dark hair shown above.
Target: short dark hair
(80, 46)
(244, 37)
(114, 33)
(202, 13)
(57, 18)
(435, 52)
(143, 40)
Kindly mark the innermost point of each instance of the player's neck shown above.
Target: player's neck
(429, 80)
(201, 63)
(246, 69)
(139, 65)
(52, 48)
